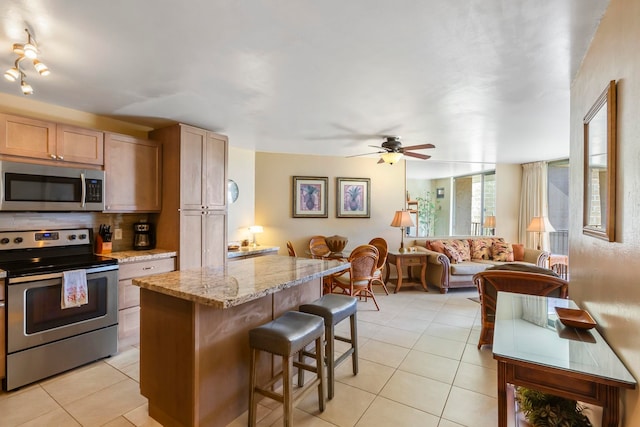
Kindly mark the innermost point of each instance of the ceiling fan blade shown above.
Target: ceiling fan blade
(366, 154)
(416, 155)
(378, 147)
(418, 147)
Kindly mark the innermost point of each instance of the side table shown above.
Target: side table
(407, 259)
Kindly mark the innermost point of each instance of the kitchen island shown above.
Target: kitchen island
(194, 337)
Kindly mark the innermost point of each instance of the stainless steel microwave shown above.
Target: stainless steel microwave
(30, 187)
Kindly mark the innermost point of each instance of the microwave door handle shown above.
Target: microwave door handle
(84, 190)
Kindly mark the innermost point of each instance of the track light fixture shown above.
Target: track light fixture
(27, 51)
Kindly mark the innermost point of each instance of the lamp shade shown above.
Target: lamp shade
(256, 229)
(490, 221)
(540, 224)
(402, 219)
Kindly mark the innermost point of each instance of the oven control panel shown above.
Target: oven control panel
(43, 238)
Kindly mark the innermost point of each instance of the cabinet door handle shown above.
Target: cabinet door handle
(148, 268)
(53, 156)
(60, 157)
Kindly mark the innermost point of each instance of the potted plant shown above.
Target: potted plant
(546, 410)
(426, 214)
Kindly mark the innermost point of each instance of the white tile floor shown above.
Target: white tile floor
(419, 366)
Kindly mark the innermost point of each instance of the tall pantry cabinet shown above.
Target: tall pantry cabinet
(193, 220)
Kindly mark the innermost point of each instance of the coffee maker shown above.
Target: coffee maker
(143, 236)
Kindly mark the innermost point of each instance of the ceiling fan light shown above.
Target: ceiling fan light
(12, 74)
(26, 88)
(391, 157)
(41, 68)
(30, 51)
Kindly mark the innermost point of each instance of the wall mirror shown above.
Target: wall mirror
(600, 166)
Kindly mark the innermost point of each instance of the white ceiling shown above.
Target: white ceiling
(483, 80)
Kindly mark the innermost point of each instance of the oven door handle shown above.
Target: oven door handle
(48, 276)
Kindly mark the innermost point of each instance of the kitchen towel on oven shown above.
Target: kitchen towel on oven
(74, 288)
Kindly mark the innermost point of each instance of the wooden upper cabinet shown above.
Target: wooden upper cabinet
(203, 159)
(41, 140)
(80, 145)
(192, 165)
(216, 160)
(133, 174)
(20, 136)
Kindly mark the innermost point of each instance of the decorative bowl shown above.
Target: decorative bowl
(575, 318)
(336, 243)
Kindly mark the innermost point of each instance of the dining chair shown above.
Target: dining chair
(318, 247)
(356, 280)
(490, 282)
(383, 249)
(290, 248)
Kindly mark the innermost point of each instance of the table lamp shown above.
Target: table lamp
(490, 223)
(255, 229)
(540, 224)
(402, 219)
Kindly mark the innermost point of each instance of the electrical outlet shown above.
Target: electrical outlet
(117, 235)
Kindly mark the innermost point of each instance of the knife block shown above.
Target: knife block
(102, 247)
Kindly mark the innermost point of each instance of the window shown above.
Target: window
(474, 200)
(558, 200)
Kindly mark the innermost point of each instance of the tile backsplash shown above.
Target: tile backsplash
(39, 220)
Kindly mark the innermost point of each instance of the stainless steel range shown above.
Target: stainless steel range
(43, 338)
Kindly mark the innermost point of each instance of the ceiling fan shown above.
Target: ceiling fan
(391, 150)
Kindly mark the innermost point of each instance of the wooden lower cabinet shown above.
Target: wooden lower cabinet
(201, 234)
(129, 296)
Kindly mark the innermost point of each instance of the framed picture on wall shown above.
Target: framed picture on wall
(440, 193)
(310, 197)
(353, 198)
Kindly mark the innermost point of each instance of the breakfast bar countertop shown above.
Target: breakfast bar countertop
(124, 257)
(240, 281)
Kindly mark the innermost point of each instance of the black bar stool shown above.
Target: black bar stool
(286, 336)
(334, 309)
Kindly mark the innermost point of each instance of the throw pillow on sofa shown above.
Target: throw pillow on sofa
(452, 253)
(457, 250)
(502, 251)
(436, 246)
(518, 251)
(481, 248)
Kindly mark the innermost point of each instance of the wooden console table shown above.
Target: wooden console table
(407, 259)
(535, 350)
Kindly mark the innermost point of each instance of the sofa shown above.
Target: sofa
(452, 262)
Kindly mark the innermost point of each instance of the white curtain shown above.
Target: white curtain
(533, 202)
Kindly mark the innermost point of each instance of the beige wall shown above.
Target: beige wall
(274, 194)
(241, 169)
(604, 275)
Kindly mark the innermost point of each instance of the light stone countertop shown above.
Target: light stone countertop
(244, 251)
(137, 256)
(240, 281)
